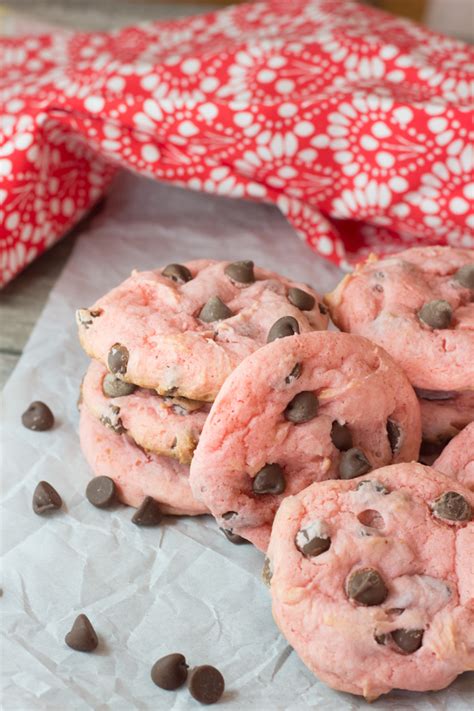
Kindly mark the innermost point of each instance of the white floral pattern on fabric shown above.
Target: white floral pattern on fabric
(355, 123)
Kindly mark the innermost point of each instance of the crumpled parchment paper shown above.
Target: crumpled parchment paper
(181, 586)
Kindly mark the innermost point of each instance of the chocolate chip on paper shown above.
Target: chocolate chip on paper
(148, 513)
(38, 417)
(206, 684)
(46, 499)
(82, 636)
(170, 672)
(101, 492)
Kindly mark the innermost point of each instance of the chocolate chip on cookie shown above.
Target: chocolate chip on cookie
(82, 636)
(267, 571)
(113, 387)
(46, 499)
(233, 537)
(341, 436)
(177, 273)
(301, 299)
(437, 314)
(112, 420)
(366, 586)
(452, 507)
(302, 408)
(394, 435)
(148, 513)
(101, 492)
(323, 309)
(376, 486)
(85, 317)
(269, 480)
(284, 327)
(214, 310)
(435, 395)
(353, 463)
(312, 540)
(241, 272)
(294, 374)
(407, 640)
(170, 672)
(229, 514)
(38, 417)
(465, 276)
(206, 684)
(117, 359)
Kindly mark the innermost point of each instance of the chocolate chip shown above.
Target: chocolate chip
(437, 314)
(341, 436)
(353, 463)
(170, 672)
(312, 540)
(112, 420)
(452, 506)
(214, 310)
(38, 417)
(241, 272)
(381, 638)
(465, 276)
(435, 394)
(366, 586)
(148, 513)
(323, 309)
(376, 486)
(117, 360)
(183, 405)
(394, 434)
(46, 499)
(113, 387)
(285, 326)
(228, 515)
(206, 684)
(267, 572)
(85, 317)
(101, 492)
(407, 640)
(177, 273)
(302, 408)
(295, 374)
(233, 537)
(82, 636)
(301, 299)
(269, 480)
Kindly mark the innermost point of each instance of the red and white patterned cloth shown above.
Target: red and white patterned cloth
(355, 123)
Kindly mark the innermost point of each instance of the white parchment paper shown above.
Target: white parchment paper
(179, 587)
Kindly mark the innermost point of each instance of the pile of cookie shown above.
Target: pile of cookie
(216, 387)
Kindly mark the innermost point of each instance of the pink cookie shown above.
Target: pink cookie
(444, 419)
(372, 581)
(419, 306)
(457, 459)
(136, 473)
(183, 329)
(168, 426)
(302, 409)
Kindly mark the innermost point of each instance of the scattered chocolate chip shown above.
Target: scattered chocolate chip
(408, 641)
(228, 515)
(323, 309)
(267, 572)
(112, 419)
(465, 276)
(376, 486)
(269, 480)
(101, 492)
(170, 672)
(82, 636)
(302, 408)
(38, 417)
(452, 506)
(285, 326)
(241, 272)
(148, 513)
(341, 436)
(301, 299)
(46, 499)
(85, 317)
(117, 360)
(353, 463)
(437, 314)
(113, 387)
(206, 684)
(312, 540)
(394, 434)
(233, 537)
(436, 394)
(295, 374)
(214, 310)
(366, 586)
(177, 273)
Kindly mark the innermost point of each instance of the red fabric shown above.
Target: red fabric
(355, 123)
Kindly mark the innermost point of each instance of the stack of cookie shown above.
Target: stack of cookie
(162, 344)
(419, 305)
